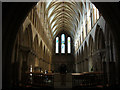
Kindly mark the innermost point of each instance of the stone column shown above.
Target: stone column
(24, 69)
(117, 72)
(111, 67)
(49, 63)
(108, 61)
(76, 67)
(112, 73)
(87, 69)
(83, 66)
(20, 65)
(105, 73)
(90, 63)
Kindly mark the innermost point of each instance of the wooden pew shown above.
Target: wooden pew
(87, 79)
(38, 79)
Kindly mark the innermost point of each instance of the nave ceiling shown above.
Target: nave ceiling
(64, 16)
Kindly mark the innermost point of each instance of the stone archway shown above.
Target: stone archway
(36, 59)
(90, 60)
(82, 56)
(20, 55)
(85, 57)
(100, 50)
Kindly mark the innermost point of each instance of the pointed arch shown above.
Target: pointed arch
(96, 36)
(36, 44)
(85, 50)
(101, 40)
(90, 45)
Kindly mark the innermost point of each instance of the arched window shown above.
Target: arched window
(57, 45)
(63, 43)
(69, 44)
(60, 42)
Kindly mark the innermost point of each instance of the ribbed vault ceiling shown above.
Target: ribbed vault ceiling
(64, 16)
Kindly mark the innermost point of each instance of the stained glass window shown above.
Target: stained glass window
(69, 44)
(63, 43)
(57, 45)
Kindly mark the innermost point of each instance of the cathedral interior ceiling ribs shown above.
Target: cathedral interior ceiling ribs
(64, 16)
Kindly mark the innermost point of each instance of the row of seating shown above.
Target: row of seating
(38, 79)
(88, 79)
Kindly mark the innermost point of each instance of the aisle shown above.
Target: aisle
(62, 80)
